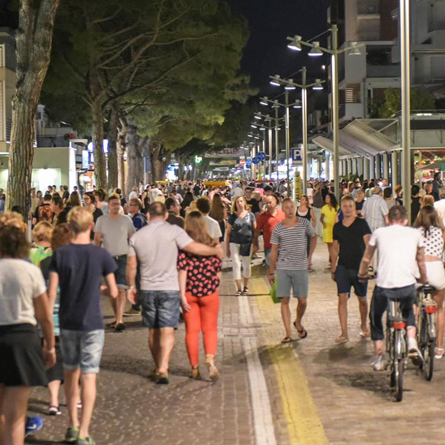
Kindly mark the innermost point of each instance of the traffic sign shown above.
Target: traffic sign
(296, 154)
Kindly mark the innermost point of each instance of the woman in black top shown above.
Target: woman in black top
(241, 226)
(188, 199)
(90, 205)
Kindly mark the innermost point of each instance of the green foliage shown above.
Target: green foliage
(172, 65)
(421, 99)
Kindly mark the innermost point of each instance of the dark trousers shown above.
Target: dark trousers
(379, 304)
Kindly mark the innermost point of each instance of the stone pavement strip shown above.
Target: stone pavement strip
(309, 392)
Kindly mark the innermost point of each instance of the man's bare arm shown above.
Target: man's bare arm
(366, 260)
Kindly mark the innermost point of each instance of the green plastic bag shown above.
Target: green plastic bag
(273, 291)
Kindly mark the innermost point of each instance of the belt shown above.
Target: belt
(116, 257)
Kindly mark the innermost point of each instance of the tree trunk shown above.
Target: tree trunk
(34, 41)
(112, 148)
(121, 147)
(98, 140)
(161, 164)
(135, 149)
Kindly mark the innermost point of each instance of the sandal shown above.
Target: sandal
(195, 374)
(238, 293)
(245, 291)
(365, 334)
(303, 333)
(54, 410)
(341, 340)
(439, 352)
(286, 340)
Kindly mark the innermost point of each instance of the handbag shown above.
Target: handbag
(273, 291)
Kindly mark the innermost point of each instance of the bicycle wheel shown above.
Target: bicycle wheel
(399, 369)
(428, 360)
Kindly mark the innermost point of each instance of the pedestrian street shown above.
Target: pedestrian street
(307, 392)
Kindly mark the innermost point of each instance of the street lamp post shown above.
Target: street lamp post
(405, 41)
(316, 51)
(287, 127)
(317, 85)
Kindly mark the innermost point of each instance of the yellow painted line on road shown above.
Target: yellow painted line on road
(303, 423)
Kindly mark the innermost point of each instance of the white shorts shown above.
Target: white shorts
(436, 274)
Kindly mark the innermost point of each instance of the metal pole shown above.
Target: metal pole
(394, 170)
(405, 40)
(304, 121)
(277, 148)
(253, 165)
(335, 105)
(270, 149)
(287, 142)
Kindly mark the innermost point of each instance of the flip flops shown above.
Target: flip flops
(301, 333)
(286, 340)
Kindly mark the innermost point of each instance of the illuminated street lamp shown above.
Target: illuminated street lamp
(316, 51)
(278, 81)
(317, 85)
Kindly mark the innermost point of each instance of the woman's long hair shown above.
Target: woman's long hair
(188, 199)
(217, 208)
(74, 200)
(234, 208)
(196, 228)
(308, 205)
(427, 218)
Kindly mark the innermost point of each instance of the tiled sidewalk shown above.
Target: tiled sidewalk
(309, 392)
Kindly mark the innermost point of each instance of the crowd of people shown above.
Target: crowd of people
(162, 250)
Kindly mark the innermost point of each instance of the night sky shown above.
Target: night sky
(270, 22)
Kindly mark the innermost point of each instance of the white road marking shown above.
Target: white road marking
(262, 414)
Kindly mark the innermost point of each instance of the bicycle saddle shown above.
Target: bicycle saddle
(428, 288)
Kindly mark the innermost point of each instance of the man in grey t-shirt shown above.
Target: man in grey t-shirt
(155, 249)
(113, 232)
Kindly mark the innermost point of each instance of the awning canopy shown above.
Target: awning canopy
(360, 138)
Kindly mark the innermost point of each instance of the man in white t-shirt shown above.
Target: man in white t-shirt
(401, 257)
(133, 193)
(154, 194)
(238, 190)
(203, 205)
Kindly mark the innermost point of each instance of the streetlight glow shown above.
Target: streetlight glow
(264, 101)
(295, 44)
(275, 81)
(318, 85)
(315, 51)
(297, 104)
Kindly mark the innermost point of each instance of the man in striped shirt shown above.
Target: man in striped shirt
(289, 264)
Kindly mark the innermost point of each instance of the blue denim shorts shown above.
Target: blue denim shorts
(82, 349)
(121, 272)
(160, 309)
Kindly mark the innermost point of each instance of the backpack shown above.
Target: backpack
(45, 213)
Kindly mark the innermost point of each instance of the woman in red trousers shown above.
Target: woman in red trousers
(199, 279)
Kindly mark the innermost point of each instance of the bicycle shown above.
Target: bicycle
(426, 329)
(396, 347)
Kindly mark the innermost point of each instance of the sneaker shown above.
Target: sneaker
(414, 352)
(54, 411)
(379, 363)
(72, 434)
(132, 312)
(33, 424)
(120, 327)
(85, 441)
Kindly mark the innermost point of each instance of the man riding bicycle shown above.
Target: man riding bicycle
(401, 257)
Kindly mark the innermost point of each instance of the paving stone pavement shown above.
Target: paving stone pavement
(308, 392)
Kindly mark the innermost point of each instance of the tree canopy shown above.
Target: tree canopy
(170, 66)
